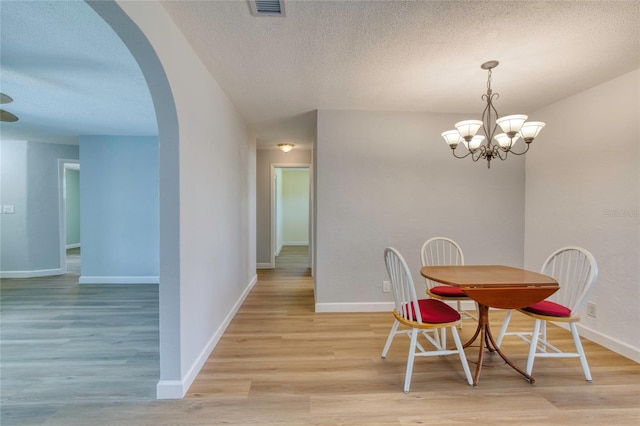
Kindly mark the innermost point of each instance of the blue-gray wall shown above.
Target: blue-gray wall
(119, 205)
(30, 238)
(13, 191)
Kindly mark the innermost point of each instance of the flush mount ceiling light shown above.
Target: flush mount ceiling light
(6, 116)
(515, 127)
(285, 147)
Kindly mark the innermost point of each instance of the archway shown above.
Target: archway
(168, 139)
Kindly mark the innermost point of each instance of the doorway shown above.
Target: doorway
(69, 214)
(291, 207)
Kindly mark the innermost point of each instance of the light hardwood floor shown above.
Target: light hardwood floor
(278, 363)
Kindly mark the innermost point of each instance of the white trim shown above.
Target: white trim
(177, 389)
(153, 279)
(295, 243)
(170, 389)
(374, 306)
(62, 223)
(31, 274)
(466, 305)
(355, 307)
(264, 266)
(608, 342)
(72, 246)
(273, 250)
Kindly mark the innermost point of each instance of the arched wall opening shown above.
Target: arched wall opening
(169, 178)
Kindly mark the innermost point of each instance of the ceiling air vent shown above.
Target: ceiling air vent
(267, 7)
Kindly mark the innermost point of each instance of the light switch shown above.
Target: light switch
(8, 209)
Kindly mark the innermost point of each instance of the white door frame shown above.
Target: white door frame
(62, 211)
(272, 189)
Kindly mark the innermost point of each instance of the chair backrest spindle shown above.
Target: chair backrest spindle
(403, 290)
(576, 271)
(440, 251)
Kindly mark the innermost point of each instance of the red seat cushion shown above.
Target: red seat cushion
(436, 312)
(548, 308)
(447, 291)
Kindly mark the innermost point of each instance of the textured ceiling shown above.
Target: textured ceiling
(380, 55)
(69, 74)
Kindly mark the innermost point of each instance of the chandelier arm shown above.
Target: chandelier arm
(500, 153)
(521, 153)
(453, 151)
(482, 153)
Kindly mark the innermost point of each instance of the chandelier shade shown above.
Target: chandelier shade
(474, 143)
(487, 144)
(511, 124)
(468, 128)
(505, 141)
(452, 137)
(530, 130)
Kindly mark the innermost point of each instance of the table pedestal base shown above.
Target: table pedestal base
(486, 339)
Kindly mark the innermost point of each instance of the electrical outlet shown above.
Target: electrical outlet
(591, 309)
(386, 286)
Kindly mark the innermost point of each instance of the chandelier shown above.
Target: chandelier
(515, 127)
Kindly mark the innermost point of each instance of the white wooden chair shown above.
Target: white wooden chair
(441, 251)
(419, 316)
(576, 271)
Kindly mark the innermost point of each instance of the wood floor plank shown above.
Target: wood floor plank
(76, 355)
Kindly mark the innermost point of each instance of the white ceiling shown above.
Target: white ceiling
(70, 75)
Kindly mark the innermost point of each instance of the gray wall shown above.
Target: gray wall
(264, 160)
(42, 199)
(583, 188)
(388, 179)
(119, 207)
(31, 236)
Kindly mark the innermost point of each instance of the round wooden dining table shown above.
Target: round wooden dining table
(494, 286)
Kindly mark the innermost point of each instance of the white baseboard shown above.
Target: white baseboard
(31, 274)
(84, 279)
(466, 305)
(355, 307)
(72, 246)
(375, 306)
(608, 342)
(177, 389)
(170, 389)
(264, 266)
(295, 243)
